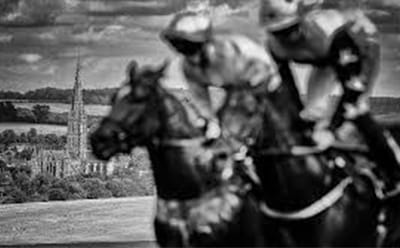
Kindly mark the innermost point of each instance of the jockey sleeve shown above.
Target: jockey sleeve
(355, 54)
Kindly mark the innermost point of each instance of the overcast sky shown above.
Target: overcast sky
(39, 39)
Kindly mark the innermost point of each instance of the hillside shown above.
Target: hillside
(55, 95)
(123, 220)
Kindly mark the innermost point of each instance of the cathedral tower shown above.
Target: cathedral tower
(77, 121)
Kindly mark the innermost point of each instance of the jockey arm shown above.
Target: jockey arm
(355, 54)
(355, 57)
(226, 62)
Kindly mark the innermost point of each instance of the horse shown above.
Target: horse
(312, 197)
(201, 198)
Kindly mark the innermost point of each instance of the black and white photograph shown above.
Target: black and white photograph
(199, 123)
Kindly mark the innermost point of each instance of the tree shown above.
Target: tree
(95, 189)
(41, 112)
(76, 191)
(26, 154)
(51, 140)
(32, 136)
(25, 115)
(57, 194)
(133, 188)
(41, 183)
(16, 195)
(22, 181)
(5, 178)
(116, 187)
(23, 138)
(8, 137)
(8, 111)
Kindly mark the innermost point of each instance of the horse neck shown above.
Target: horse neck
(282, 113)
(300, 180)
(175, 175)
(175, 119)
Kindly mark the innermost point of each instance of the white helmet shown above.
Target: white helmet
(189, 26)
(280, 14)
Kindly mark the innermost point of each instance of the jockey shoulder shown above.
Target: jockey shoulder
(324, 31)
(231, 60)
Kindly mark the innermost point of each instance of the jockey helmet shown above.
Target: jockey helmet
(277, 15)
(187, 32)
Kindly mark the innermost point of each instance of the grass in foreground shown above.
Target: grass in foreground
(121, 220)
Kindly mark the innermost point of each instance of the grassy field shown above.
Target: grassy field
(41, 128)
(123, 220)
(91, 109)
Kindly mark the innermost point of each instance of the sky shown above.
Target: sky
(40, 39)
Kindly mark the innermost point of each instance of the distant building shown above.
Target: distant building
(56, 163)
(76, 158)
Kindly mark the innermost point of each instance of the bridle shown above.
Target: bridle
(124, 132)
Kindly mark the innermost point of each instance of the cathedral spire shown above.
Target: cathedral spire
(78, 83)
(77, 98)
(77, 119)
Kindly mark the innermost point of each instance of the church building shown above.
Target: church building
(76, 158)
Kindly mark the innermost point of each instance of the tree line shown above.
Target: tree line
(379, 105)
(17, 185)
(52, 141)
(40, 114)
(55, 95)
(49, 94)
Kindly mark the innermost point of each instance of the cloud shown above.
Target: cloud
(110, 33)
(154, 7)
(5, 38)
(50, 70)
(31, 13)
(31, 57)
(391, 2)
(47, 36)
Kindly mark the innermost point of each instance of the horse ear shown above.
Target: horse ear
(132, 69)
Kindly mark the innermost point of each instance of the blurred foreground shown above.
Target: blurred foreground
(122, 222)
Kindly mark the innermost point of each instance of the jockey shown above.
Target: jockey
(339, 46)
(210, 60)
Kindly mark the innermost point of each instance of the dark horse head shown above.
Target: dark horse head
(145, 114)
(310, 197)
(134, 116)
(198, 203)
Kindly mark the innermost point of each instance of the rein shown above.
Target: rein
(194, 142)
(327, 201)
(302, 151)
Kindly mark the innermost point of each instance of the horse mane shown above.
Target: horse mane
(176, 116)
